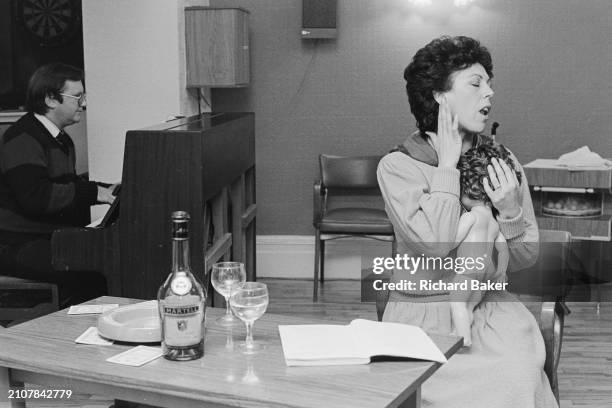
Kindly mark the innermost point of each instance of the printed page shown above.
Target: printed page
(320, 344)
(395, 339)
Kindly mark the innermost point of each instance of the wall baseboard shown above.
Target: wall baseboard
(292, 256)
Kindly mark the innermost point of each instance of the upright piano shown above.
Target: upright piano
(202, 164)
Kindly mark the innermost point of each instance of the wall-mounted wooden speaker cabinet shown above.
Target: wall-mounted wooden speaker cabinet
(217, 47)
(319, 19)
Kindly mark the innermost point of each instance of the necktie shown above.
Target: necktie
(64, 140)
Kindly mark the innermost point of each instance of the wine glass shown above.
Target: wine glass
(249, 301)
(226, 275)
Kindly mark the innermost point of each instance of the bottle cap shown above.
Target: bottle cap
(180, 215)
(180, 225)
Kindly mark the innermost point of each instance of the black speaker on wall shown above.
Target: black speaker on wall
(319, 19)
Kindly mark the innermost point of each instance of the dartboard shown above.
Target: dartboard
(52, 22)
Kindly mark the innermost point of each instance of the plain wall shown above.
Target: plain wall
(346, 96)
(135, 68)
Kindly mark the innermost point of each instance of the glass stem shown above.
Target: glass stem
(249, 337)
(227, 307)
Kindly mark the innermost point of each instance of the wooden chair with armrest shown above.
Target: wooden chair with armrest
(552, 312)
(342, 177)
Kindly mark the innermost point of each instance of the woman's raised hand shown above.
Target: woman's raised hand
(447, 142)
(502, 187)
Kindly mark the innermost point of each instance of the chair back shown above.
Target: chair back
(554, 236)
(560, 242)
(348, 173)
(347, 202)
(551, 277)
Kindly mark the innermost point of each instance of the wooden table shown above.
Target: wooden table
(43, 351)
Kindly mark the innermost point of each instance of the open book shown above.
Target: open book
(355, 343)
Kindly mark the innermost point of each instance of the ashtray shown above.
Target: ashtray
(136, 323)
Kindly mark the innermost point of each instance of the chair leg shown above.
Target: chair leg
(322, 261)
(317, 264)
(552, 318)
(560, 311)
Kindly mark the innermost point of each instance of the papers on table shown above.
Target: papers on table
(91, 336)
(136, 356)
(583, 157)
(91, 309)
(578, 160)
(356, 343)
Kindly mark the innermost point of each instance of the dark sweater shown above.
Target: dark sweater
(39, 188)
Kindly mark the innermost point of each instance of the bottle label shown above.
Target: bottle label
(181, 285)
(183, 325)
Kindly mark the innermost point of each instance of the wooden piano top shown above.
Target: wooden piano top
(198, 123)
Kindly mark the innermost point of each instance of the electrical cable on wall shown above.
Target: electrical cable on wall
(201, 97)
(294, 99)
(206, 101)
(293, 103)
(199, 107)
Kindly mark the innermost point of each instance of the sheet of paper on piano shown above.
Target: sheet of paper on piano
(95, 223)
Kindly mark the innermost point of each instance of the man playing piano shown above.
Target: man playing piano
(39, 188)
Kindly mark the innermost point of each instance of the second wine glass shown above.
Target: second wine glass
(225, 276)
(249, 303)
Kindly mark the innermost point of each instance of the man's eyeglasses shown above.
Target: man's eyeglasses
(80, 98)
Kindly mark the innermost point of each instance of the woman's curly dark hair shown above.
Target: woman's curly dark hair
(473, 168)
(430, 71)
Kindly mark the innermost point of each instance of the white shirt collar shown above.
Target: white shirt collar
(50, 126)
